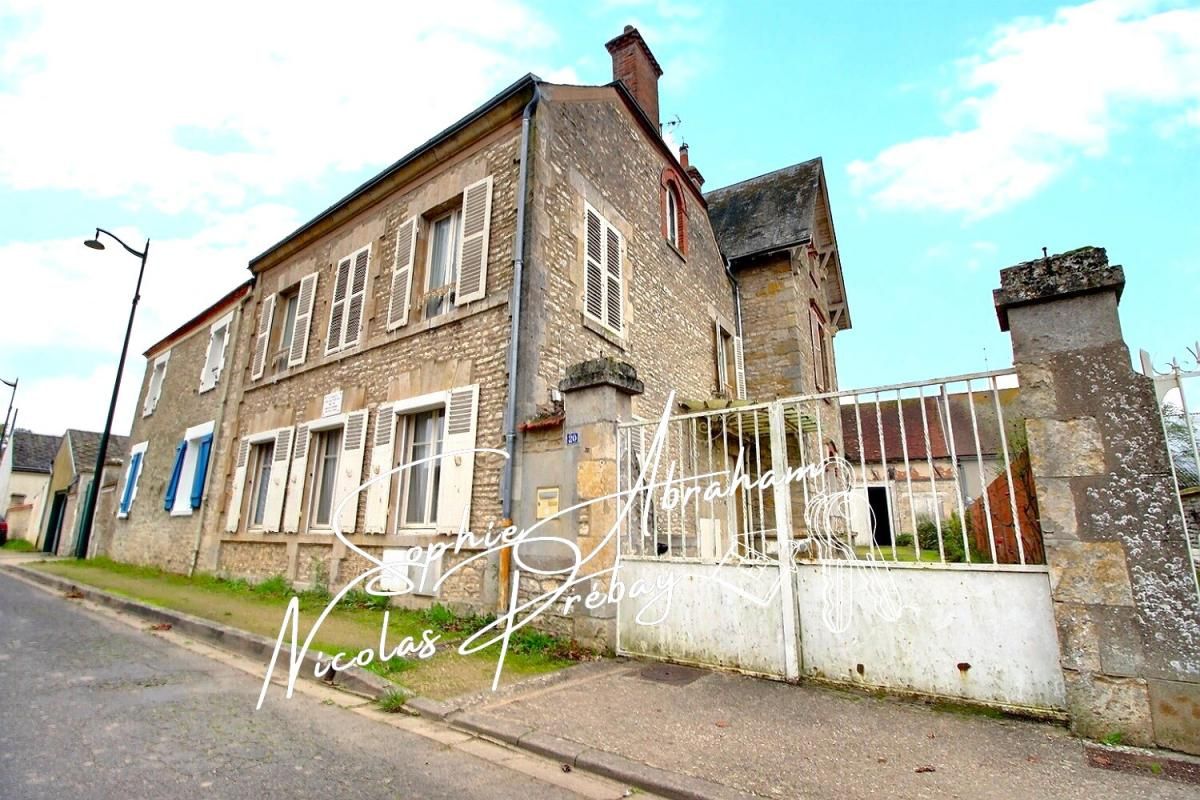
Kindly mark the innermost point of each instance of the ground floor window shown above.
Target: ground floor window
(326, 448)
(261, 456)
(421, 441)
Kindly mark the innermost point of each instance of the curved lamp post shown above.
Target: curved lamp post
(89, 508)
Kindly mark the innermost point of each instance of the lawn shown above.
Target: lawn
(19, 546)
(354, 625)
(903, 554)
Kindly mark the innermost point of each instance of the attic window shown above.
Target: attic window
(672, 217)
(674, 212)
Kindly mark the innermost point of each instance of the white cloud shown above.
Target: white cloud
(1043, 94)
(196, 111)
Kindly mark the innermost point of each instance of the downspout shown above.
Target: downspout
(234, 336)
(737, 296)
(510, 403)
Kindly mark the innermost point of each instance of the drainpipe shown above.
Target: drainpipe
(737, 296)
(510, 404)
(235, 337)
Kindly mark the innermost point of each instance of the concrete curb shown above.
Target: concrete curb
(1140, 761)
(354, 679)
(600, 762)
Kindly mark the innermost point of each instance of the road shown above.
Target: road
(94, 708)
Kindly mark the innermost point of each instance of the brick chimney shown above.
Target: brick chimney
(636, 67)
(688, 169)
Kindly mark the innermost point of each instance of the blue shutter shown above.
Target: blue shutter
(176, 472)
(135, 465)
(201, 469)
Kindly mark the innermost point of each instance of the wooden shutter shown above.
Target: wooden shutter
(458, 471)
(293, 501)
(259, 362)
(382, 452)
(239, 485)
(739, 367)
(358, 296)
(304, 309)
(279, 478)
(402, 274)
(176, 476)
(337, 309)
(593, 267)
(350, 466)
(614, 311)
(473, 244)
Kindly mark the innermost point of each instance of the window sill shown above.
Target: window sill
(178, 513)
(675, 249)
(603, 331)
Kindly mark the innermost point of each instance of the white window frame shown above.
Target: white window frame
(182, 507)
(140, 447)
(455, 215)
(157, 379)
(209, 369)
(343, 334)
(401, 409)
(316, 455)
(252, 474)
(672, 216)
(605, 226)
(404, 443)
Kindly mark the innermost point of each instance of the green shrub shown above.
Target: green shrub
(904, 540)
(19, 545)
(393, 702)
(274, 586)
(952, 538)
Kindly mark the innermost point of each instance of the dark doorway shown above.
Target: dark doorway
(877, 499)
(55, 524)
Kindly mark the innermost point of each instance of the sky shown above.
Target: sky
(957, 138)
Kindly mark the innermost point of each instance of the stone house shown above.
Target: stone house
(70, 477)
(25, 481)
(164, 493)
(448, 303)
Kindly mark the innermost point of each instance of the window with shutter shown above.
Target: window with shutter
(214, 362)
(358, 296)
(603, 278)
(233, 512)
(296, 478)
(337, 308)
(473, 244)
(298, 336)
(402, 274)
(820, 351)
(136, 455)
(350, 470)
(186, 487)
(458, 470)
(258, 361)
(157, 376)
(739, 365)
(381, 462)
(281, 457)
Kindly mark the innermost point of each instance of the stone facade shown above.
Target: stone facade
(1122, 583)
(147, 532)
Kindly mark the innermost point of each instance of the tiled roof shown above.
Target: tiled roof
(33, 452)
(953, 414)
(768, 212)
(85, 444)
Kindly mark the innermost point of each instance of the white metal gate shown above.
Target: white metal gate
(873, 536)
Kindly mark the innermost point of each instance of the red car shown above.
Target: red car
(3, 531)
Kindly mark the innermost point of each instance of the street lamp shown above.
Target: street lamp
(7, 434)
(89, 508)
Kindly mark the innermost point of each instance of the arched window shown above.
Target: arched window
(672, 217)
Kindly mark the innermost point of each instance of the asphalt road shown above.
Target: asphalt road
(92, 708)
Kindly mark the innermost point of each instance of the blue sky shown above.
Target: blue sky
(958, 138)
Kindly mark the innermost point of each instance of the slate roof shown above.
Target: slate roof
(85, 444)
(33, 452)
(768, 212)
(954, 415)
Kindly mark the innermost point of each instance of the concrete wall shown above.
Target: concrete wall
(34, 485)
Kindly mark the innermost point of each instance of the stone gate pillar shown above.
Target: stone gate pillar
(1123, 588)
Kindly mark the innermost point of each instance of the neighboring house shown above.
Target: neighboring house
(70, 479)
(906, 476)
(25, 481)
(387, 329)
(163, 495)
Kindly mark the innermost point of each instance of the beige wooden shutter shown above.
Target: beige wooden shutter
(279, 478)
(350, 466)
(337, 309)
(473, 244)
(382, 452)
(402, 273)
(239, 484)
(304, 309)
(739, 367)
(614, 311)
(259, 363)
(358, 296)
(593, 267)
(458, 471)
(294, 500)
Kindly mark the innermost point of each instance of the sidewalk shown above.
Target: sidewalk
(776, 740)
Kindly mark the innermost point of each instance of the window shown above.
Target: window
(349, 294)
(157, 375)
(261, 456)
(441, 271)
(421, 438)
(603, 277)
(218, 339)
(326, 447)
(730, 363)
(185, 489)
(290, 300)
(820, 349)
(132, 473)
(673, 209)
(673, 217)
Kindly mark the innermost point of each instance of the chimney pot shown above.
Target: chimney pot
(636, 67)
(683, 156)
